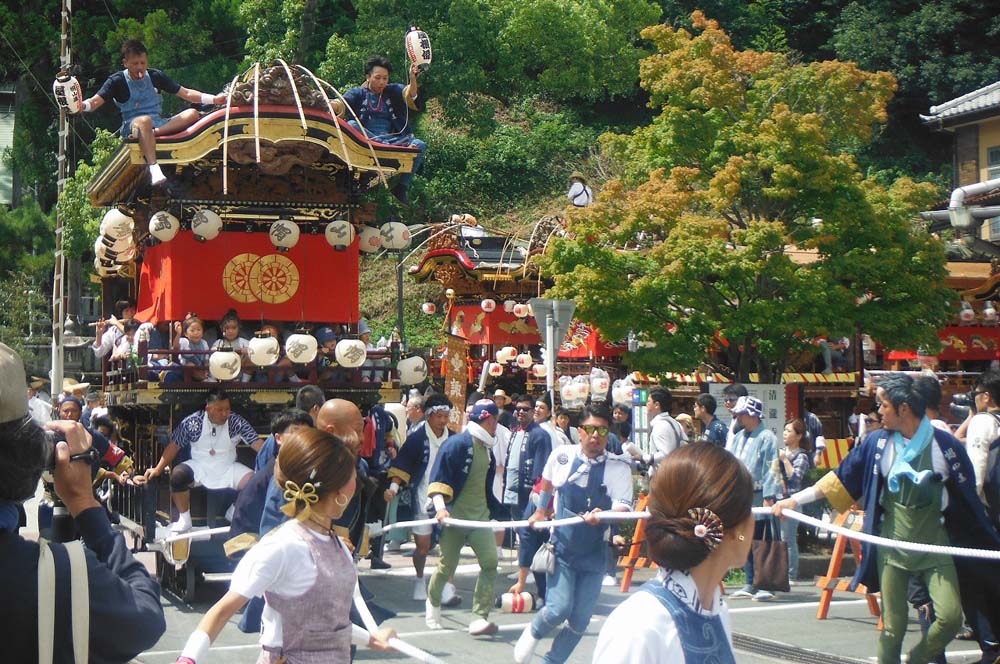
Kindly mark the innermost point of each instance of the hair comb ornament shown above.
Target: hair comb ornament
(294, 493)
(707, 526)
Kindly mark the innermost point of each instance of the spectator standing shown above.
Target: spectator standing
(756, 447)
(794, 464)
(712, 428)
(666, 434)
(730, 395)
(579, 192)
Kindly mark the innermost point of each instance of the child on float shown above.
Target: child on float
(229, 328)
(189, 335)
(126, 345)
(700, 527)
(304, 571)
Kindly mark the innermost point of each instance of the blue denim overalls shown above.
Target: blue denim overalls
(143, 99)
(702, 637)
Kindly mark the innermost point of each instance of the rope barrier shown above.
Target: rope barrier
(394, 642)
(607, 515)
(917, 547)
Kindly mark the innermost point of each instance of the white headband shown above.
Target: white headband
(438, 409)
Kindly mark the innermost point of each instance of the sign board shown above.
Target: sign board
(773, 396)
(456, 378)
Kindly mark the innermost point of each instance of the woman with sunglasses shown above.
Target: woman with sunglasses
(582, 480)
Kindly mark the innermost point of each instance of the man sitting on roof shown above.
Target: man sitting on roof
(138, 97)
(384, 111)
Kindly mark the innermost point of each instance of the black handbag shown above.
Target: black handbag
(770, 560)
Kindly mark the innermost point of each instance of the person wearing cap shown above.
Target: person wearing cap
(326, 339)
(579, 193)
(119, 595)
(915, 483)
(461, 486)
(756, 446)
(409, 471)
(91, 401)
(40, 410)
(577, 480)
(111, 456)
(731, 393)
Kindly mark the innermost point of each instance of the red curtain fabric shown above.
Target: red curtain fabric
(973, 342)
(243, 271)
(585, 341)
(498, 328)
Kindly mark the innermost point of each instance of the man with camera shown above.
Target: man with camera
(57, 599)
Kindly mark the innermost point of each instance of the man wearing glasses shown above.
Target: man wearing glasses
(583, 480)
(730, 395)
(530, 446)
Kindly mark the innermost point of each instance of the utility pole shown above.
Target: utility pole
(59, 272)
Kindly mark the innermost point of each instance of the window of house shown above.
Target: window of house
(993, 163)
(995, 229)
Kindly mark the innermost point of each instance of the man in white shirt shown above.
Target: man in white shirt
(666, 433)
(984, 428)
(579, 193)
(581, 479)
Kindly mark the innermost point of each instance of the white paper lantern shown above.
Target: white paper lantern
(569, 392)
(495, 369)
(524, 360)
(521, 310)
(126, 256)
(488, 305)
(164, 226)
(206, 225)
(371, 240)
(599, 388)
(506, 354)
(301, 348)
(69, 94)
(582, 384)
(508, 306)
(350, 353)
(539, 370)
(104, 271)
(339, 233)
(412, 370)
(117, 245)
(395, 236)
(263, 350)
(429, 308)
(116, 224)
(224, 364)
(531, 310)
(284, 234)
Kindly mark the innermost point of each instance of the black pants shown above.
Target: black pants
(979, 583)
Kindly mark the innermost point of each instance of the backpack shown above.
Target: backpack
(991, 483)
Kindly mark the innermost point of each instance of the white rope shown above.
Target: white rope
(915, 547)
(225, 136)
(395, 643)
(605, 515)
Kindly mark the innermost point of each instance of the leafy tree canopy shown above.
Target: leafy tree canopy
(743, 224)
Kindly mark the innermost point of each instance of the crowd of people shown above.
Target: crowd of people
(328, 469)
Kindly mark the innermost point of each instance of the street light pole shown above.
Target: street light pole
(399, 300)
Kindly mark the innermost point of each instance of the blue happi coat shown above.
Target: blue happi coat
(410, 463)
(859, 479)
(451, 470)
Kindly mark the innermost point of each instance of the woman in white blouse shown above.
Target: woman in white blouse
(700, 527)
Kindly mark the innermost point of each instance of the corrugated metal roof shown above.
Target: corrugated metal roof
(973, 102)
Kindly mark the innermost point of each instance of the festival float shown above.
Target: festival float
(264, 212)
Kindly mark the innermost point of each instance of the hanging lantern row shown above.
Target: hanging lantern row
(284, 234)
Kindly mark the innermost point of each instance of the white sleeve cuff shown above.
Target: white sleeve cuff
(359, 635)
(197, 645)
(439, 502)
(805, 496)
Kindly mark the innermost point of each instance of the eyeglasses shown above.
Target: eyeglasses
(522, 409)
(730, 399)
(590, 430)
(872, 420)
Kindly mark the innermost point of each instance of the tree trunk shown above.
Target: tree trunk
(308, 27)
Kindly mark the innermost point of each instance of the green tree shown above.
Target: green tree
(744, 227)
(81, 222)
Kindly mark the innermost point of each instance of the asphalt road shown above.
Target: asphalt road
(783, 630)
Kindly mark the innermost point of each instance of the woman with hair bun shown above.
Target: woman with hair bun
(700, 527)
(303, 570)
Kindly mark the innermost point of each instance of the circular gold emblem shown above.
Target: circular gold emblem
(274, 279)
(236, 277)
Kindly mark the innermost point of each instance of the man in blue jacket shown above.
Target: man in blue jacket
(384, 109)
(462, 486)
(123, 615)
(907, 476)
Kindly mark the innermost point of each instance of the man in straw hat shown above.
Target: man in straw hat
(579, 193)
